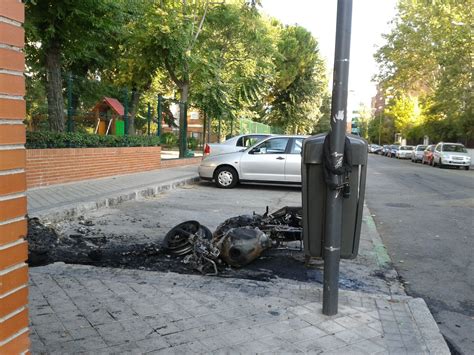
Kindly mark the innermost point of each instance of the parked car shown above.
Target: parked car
(393, 150)
(276, 159)
(385, 150)
(233, 144)
(404, 152)
(451, 154)
(428, 155)
(375, 148)
(417, 154)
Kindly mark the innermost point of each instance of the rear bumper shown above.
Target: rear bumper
(206, 172)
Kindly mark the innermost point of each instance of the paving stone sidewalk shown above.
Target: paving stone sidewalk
(85, 309)
(59, 201)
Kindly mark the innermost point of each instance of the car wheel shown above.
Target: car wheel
(432, 163)
(440, 164)
(226, 177)
(466, 167)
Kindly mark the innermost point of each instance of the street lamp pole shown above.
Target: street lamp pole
(337, 136)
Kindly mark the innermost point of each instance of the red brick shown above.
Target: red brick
(14, 325)
(13, 301)
(13, 255)
(12, 159)
(12, 35)
(12, 183)
(12, 231)
(12, 85)
(19, 345)
(14, 208)
(13, 279)
(12, 60)
(11, 133)
(13, 9)
(12, 109)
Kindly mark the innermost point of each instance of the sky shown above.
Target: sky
(370, 19)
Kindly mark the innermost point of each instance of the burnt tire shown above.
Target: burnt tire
(226, 177)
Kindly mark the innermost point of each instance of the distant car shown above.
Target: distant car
(375, 148)
(233, 144)
(417, 154)
(404, 152)
(276, 159)
(428, 155)
(393, 150)
(451, 154)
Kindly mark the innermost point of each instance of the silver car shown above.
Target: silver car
(451, 154)
(418, 153)
(277, 159)
(234, 144)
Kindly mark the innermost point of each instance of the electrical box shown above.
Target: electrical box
(314, 197)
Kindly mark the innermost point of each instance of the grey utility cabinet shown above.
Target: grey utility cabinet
(314, 197)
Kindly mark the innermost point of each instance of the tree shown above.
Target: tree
(429, 55)
(68, 34)
(300, 83)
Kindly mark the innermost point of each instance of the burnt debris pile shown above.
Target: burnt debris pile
(236, 242)
(188, 246)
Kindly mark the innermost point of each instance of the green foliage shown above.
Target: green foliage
(169, 139)
(300, 84)
(192, 143)
(428, 56)
(45, 139)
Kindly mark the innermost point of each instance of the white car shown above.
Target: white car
(452, 154)
(234, 144)
(277, 159)
(404, 152)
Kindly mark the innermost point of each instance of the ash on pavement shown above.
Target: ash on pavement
(130, 235)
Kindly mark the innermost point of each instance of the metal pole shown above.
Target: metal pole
(69, 103)
(159, 109)
(333, 229)
(125, 113)
(148, 117)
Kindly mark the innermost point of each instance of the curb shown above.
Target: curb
(68, 211)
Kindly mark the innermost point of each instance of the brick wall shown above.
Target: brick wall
(55, 166)
(13, 248)
(173, 163)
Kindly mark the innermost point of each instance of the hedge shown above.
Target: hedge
(45, 140)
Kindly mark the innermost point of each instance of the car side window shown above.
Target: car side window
(297, 146)
(272, 146)
(240, 142)
(250, 141)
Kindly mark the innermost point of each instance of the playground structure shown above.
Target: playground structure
(109, 114)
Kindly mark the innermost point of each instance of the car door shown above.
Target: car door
(437, 154)
(266, 161)
(293, 161)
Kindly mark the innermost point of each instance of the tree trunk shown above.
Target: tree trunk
(184, 93)
(133, 112)
(54, 88)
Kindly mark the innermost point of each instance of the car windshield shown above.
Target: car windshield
(407, 147)
(420, 148)
(456, 148)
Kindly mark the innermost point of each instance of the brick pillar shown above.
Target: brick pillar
(13, 226)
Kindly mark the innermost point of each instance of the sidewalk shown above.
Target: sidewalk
(60, 201)
(86, 309)
(102, 310)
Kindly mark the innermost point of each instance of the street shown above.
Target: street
(425, 217)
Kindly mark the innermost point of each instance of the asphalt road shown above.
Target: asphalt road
(425, 217)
